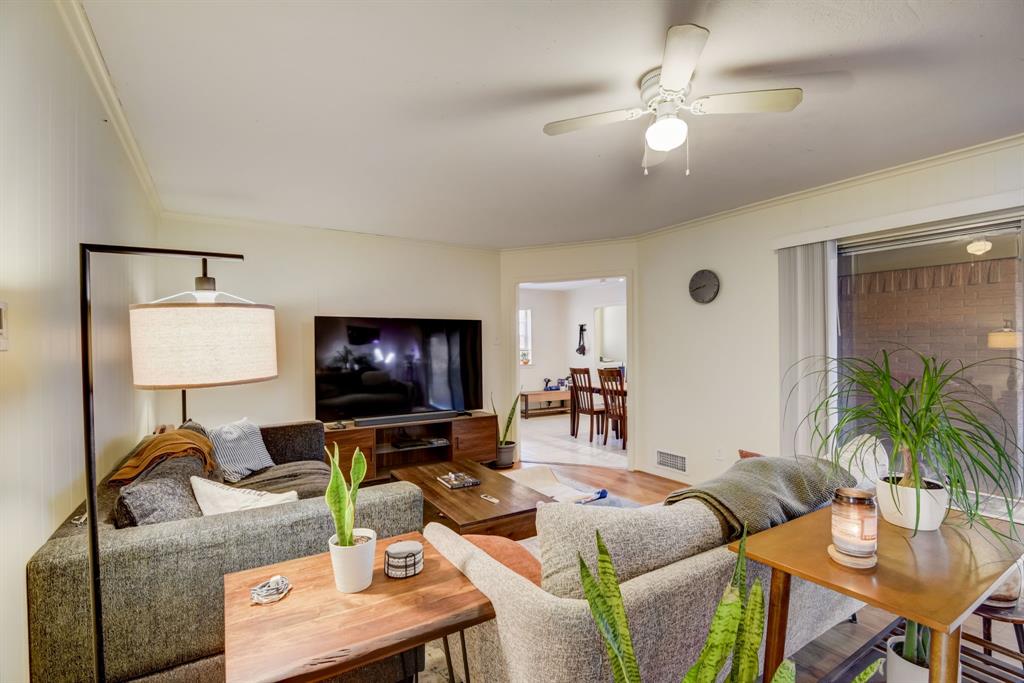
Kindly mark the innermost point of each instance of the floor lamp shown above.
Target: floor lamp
(201, 338)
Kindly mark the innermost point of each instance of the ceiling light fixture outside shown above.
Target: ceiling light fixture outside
(1005, 338)
(979, 247)
(668, 131)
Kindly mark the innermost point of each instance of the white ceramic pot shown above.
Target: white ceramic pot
(898, 505)
(899, 669)
(353, 565)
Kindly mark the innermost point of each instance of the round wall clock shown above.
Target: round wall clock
(704, 286)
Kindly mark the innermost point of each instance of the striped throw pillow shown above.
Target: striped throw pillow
(239, 449)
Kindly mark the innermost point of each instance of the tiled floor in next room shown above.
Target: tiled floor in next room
(546, 439)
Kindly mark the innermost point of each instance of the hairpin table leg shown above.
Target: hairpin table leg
(465, 657)
(448, 659)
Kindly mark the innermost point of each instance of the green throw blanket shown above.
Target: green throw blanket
(766, 492)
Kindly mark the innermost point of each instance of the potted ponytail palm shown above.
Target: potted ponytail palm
(352, 550)
(948, 440)
(506, 448)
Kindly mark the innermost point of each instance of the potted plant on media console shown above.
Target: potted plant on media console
(352, 550)
(506, 448)
(948, 441)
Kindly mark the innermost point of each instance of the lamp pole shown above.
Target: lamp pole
(85, 250)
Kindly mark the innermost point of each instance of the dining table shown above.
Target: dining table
(572, 405)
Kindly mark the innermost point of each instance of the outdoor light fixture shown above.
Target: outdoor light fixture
(1005, 338)
(668, 131)
(979, 247)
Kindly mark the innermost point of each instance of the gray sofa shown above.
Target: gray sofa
(162, 585)
(540, 637)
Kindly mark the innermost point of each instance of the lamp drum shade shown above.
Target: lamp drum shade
(193, 345)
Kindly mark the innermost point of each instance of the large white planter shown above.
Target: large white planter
(898, 505)
(900, 670)
(353, 565)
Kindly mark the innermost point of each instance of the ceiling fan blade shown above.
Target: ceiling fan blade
(683, 46)
(569, 125)
(753, 102)
(652, 157)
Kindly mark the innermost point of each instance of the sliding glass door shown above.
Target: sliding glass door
(956, 296)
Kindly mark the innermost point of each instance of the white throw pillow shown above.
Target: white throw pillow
(239, 449)
(216, 499)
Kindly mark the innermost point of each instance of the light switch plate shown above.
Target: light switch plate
(3, 325)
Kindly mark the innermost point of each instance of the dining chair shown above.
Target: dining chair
(583, 397)
(613, 391)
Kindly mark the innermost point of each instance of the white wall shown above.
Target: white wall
(63, 179)
(306, 272)
(710, 375)
(582, 307)
(549, 316)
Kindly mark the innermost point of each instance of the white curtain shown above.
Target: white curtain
(807, 335)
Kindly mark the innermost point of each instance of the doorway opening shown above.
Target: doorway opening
(572, 350)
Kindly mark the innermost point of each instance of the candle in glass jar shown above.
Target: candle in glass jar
(855, 522)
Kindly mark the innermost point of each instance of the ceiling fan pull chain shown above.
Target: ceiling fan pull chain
(687, 155)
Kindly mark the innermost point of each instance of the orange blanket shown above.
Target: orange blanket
(173, 444)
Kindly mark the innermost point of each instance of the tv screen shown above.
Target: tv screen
(370, 367)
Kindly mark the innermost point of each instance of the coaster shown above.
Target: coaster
(850, 560)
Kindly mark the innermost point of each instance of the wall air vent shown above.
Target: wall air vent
(676, 462)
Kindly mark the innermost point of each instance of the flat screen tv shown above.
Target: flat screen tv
(377, 367)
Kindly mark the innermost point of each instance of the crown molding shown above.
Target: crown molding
(202, 219)
(1010, 142)
(77, 23)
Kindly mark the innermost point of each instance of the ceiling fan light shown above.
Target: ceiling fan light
(667, 133)
(668, 130)
(979, 247)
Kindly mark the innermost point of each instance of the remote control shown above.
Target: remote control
(489, 498)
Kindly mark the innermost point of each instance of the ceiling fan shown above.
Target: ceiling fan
(664, 92)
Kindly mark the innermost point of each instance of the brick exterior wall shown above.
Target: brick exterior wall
(942, 311)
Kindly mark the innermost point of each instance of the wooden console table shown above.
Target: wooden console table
(315, 632)
(936, 578)
(562, 397)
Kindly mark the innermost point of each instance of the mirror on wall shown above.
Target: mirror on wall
(610, 335)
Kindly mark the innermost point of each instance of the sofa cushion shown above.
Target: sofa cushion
(162, 493)
(238, 448)
(216, 499)
(510, 553)
(308, 478)
(639, 540)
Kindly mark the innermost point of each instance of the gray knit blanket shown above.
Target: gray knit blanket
(765, 492)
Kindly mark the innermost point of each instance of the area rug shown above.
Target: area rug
(561, 488)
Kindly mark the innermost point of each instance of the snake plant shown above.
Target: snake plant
(916, 644)
(503, 441)
(341, 497)
(736, 628)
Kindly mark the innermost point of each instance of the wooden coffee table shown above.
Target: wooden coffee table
(464, 511)
(936, 578)
(315, 632)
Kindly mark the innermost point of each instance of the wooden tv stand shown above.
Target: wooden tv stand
(473, 437)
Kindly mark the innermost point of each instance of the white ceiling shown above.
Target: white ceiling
(423, 119)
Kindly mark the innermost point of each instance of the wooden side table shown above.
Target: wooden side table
(936, 578)
(315, 632)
